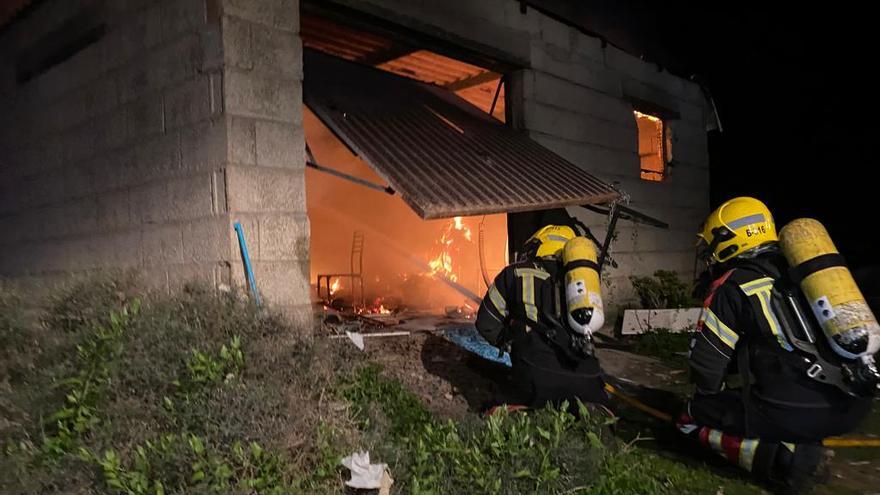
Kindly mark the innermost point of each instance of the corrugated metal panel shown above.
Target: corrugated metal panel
(444, 156)
(330, 37)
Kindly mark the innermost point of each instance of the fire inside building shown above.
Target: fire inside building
(487, 178)
(367, 149)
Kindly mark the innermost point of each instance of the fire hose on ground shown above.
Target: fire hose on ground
(837, 442)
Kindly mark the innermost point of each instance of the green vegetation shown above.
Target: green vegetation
(107, 390)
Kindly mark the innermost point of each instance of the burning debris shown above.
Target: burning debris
(449, 247)
(335, 286)
(465, 311)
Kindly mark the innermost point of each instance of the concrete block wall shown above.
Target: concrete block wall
(141, 150)
(574, 97)
(100, 166)
(265, 173)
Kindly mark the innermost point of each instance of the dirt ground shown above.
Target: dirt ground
(455, 383)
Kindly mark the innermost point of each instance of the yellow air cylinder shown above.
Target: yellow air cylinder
(828, 285)
(583, 294)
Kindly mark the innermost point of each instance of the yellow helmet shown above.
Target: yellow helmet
(549, 240)
(739, 225)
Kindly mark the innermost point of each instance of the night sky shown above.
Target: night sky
(796, 93)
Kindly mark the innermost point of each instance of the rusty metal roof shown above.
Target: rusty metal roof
(443, 155)
(473, 83)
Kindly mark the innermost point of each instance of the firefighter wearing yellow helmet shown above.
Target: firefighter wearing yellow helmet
(795, 389)
(544, 309)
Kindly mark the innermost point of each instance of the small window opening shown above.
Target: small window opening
(655, 150)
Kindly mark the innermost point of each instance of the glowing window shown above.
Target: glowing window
(655, 151)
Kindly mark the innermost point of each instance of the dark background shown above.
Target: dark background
(796, 92)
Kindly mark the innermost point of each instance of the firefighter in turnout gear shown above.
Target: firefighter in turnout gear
(543, 309)
(792, 392)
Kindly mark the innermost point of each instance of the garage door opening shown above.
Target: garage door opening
(413, 172)
(371, 251)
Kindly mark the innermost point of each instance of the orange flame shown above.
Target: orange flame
(335, 286)
(442, 263)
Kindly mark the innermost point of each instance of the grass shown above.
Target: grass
(196, 393)
(549, 451)
(107, 390)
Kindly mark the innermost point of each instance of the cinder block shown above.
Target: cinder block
(513, 17)
(595, 159)
(166, 65)
(568, 95)
(693, 93)
(643, 71)
(579, 69)
(666, 192)
(188, 103)
(261, 96)
(149, 203)
(263, 189)
(281, 283)
(555, 33)
(569, 125)
(633, 238)
(284, 237)
(78, 217)
(278, 14)
(182, 16)
(238, 42)
(650, 93)
(692, 113)
(78, 143)
(43, 189)
(173, 200)
(118, 249)
(242, 141)
(113, 210)
(109, 171)
(100, 96)
(162, 245)
(211, 38)
(587, 46)
(108, 132)
(145, 117)
(135, 34)
(277, 52)
(207, 240)
(690, 176)
(690, 145)
(190, 197)
(154, 158)
(279, 145)
(204, 274)
(644, 264)
(204, 146)
(678, 218)
(486, 10)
